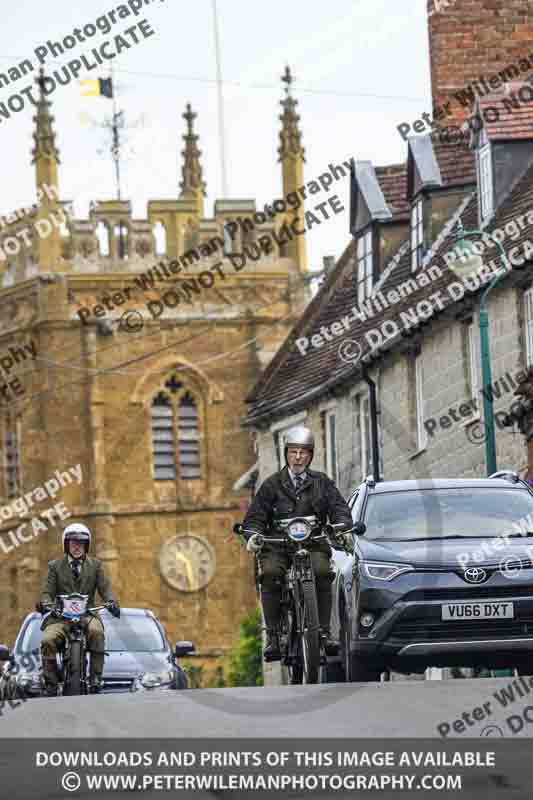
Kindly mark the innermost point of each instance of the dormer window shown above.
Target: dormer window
(365, 266)
(484, 169)
(417, 234)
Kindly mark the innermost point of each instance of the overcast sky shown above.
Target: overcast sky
(361, 67)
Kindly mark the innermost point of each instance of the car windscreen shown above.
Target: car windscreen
(437, 513)
(132, 633)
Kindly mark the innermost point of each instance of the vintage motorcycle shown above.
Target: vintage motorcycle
(72, 671)
(300, 641)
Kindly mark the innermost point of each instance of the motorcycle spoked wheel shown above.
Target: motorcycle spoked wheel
(310, 639)
(74, 683)
(294, 660)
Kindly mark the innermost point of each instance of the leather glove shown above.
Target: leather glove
(254, 544)
(114, 609)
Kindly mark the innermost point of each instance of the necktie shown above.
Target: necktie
(76, 569)
(298, 480)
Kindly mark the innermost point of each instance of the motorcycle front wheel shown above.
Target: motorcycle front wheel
(310, 634)
(73, 685)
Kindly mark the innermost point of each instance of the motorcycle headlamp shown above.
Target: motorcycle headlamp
(299, 530)
(382, 571)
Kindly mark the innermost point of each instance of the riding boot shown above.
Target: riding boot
(96, 670)
(324, 613)
(50, 676)
(271, 601)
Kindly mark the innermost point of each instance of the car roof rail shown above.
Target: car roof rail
(507, 475)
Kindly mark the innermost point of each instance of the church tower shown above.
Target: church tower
(147, 333)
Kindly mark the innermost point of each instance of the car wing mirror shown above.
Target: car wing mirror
(183, 648)
(359, 529)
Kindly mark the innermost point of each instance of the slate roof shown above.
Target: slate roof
(457, 163)
(393, 182)
(293, 380)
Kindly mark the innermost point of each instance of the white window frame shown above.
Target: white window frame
(365, 433)
(421, 433)
(474, 377)
(485, 184)
(365, 266)
(528, 325)
(417, 234)
(332, 450)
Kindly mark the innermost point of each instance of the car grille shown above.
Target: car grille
(428, 630)
(470, 593)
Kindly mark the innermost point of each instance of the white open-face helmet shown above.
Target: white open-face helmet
(299, 436)
(76, 532)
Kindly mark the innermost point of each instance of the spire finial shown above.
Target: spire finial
(290, 134)
(287, 79)
(191, 170)
(44, 136)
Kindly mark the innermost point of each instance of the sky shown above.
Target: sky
(361, 68)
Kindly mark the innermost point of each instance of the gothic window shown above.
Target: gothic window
(102, 234)
(176, 433)
(160, 238)
(188, 438)
(11, 459)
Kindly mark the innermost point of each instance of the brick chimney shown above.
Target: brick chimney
(476, 39)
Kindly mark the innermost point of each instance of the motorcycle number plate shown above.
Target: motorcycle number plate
(74, 608)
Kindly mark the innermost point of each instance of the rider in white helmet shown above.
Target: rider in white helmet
(294, 491)
(75, 572)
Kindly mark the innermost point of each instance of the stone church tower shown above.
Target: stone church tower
(128, 346)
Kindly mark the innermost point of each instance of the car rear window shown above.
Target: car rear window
(436, 513)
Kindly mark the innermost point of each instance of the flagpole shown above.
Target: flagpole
(220, 105)
(116, 157)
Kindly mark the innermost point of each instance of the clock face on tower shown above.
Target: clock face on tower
(187, 563)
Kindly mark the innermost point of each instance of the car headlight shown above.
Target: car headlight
(151, 680)
(381, 571)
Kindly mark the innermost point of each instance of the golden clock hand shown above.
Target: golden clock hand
(189, 570)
